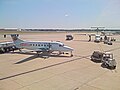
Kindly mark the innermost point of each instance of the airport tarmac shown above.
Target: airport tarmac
(28, 72)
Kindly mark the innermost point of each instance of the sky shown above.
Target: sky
(59, 13)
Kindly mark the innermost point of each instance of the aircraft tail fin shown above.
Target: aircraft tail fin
(16, 40)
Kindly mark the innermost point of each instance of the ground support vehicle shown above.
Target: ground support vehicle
(108, 60)
(97, 56)
(69, 37)
(7, 47)
(105, 58)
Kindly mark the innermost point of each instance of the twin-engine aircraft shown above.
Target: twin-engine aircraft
(42, 46)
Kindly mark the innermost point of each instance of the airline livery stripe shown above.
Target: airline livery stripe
(24, 44)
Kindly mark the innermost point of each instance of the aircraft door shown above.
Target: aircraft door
(49, 46)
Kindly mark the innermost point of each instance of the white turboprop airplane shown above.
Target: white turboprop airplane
(41, 46)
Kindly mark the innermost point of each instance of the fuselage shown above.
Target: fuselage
(40, 46)
(43, 46)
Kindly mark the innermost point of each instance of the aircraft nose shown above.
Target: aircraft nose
(68, 48)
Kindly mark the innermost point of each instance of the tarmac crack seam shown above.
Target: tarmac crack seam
(114, 49)
(53, 65)
(53, 76)
(49, 66)
(102, 73)
(92, 87)
(86, 83)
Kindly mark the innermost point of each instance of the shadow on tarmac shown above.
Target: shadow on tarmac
(42, 55)
(42, 68)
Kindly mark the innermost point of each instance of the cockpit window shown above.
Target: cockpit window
(61, 45)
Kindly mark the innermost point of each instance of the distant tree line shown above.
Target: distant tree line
(69, 30)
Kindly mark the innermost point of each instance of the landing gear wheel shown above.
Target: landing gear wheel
(71, 55)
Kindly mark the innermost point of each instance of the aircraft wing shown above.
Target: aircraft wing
(41, 50)
(35, 50)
